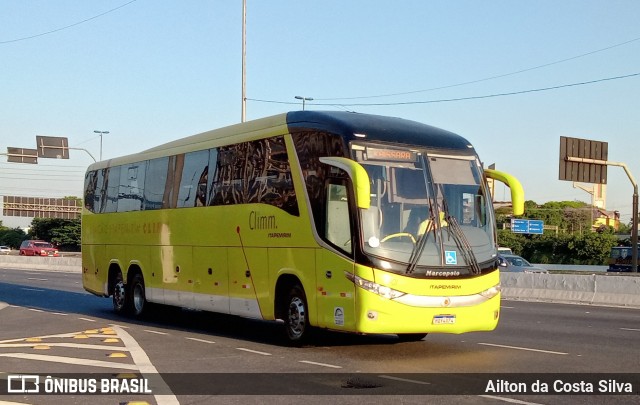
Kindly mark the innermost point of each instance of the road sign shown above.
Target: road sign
(587, 170)
(534, 226)
(54, 147)
(22, 155)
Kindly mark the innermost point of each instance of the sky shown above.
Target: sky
(512, 77)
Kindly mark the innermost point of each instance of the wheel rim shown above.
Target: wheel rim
(119, 295)
(297, 319)
(138, 298)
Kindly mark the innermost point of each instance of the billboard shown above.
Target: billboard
(41, 207)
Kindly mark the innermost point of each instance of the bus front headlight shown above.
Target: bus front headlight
(381, 290)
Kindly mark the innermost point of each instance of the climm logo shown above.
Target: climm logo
(258, 221)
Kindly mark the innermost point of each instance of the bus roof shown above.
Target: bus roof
(347, 124)
(378, 128)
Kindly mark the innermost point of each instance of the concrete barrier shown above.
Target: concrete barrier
(611, 289)
(72, 264)
(594, 289)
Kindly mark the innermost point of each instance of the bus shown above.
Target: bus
(331, 220)
(620, 259)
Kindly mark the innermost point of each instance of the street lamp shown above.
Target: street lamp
(101, 133)
(304, 99)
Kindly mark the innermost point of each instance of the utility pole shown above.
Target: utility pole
(244, 61)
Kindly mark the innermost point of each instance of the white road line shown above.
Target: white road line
(631, 329)
(253, 351)
(87, 319)
(523, 348)
(35, 310)
(37, 279)
(119, 326)
(145, 365)
(58, 313)
(319, 364)
(200, 340)
(155, 331)
(71, 360)
(510, 400)
(389, 377)
(72, 345)
(31, 289)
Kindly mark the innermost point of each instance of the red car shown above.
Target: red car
(37, 248)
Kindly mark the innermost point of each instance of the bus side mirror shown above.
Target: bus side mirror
(517, 193)
(358, 176)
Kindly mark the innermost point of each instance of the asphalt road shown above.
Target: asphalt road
(534, 341)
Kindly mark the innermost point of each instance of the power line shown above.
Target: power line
(65, 27)
(487, 78)
(460, 98)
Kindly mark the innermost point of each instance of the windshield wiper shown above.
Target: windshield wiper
(463, 244)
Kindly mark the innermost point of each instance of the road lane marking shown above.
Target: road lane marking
(510, 400)
(155, 331)
(37, 279)
(145, 366)
(87, 319)
(71, 345)
(253, 351)
(31, 289)
(319, 364)
(389, 377)
(70, 360)
(58, 313)
(631, 329)
(200, 340)
(35, 310)
(523, 348)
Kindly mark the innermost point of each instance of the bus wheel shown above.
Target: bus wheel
(137, 297)
(296, 321)
(411, 337)
(119, 295)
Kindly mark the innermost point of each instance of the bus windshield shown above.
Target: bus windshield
(429, 212)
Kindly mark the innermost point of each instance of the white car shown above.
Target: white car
(5, 250)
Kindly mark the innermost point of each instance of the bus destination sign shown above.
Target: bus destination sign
(393, 155)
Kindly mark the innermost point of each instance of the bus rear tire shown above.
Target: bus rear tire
(137, 299)
(296, 319)
(411, 337)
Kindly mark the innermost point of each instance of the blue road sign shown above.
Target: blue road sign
(535, 226)
(519, 225)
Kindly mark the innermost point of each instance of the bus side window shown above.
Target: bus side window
(338, 224)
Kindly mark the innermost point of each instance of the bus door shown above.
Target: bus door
(248, 280)
(336, 293)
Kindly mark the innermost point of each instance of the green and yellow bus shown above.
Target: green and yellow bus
(336, 220)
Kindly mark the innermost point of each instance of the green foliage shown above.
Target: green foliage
(64, 233)
(11, 237)
(588, 248)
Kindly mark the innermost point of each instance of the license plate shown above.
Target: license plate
(444, 319)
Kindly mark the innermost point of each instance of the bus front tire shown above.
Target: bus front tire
(296, 320)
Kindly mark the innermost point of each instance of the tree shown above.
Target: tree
(11, 237)
(64, 233)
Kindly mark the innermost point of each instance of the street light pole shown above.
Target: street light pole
(101, 133)
(304, 99)
(243, 115)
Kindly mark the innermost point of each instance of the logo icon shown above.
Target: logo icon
(450, 257)
(23, 384)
